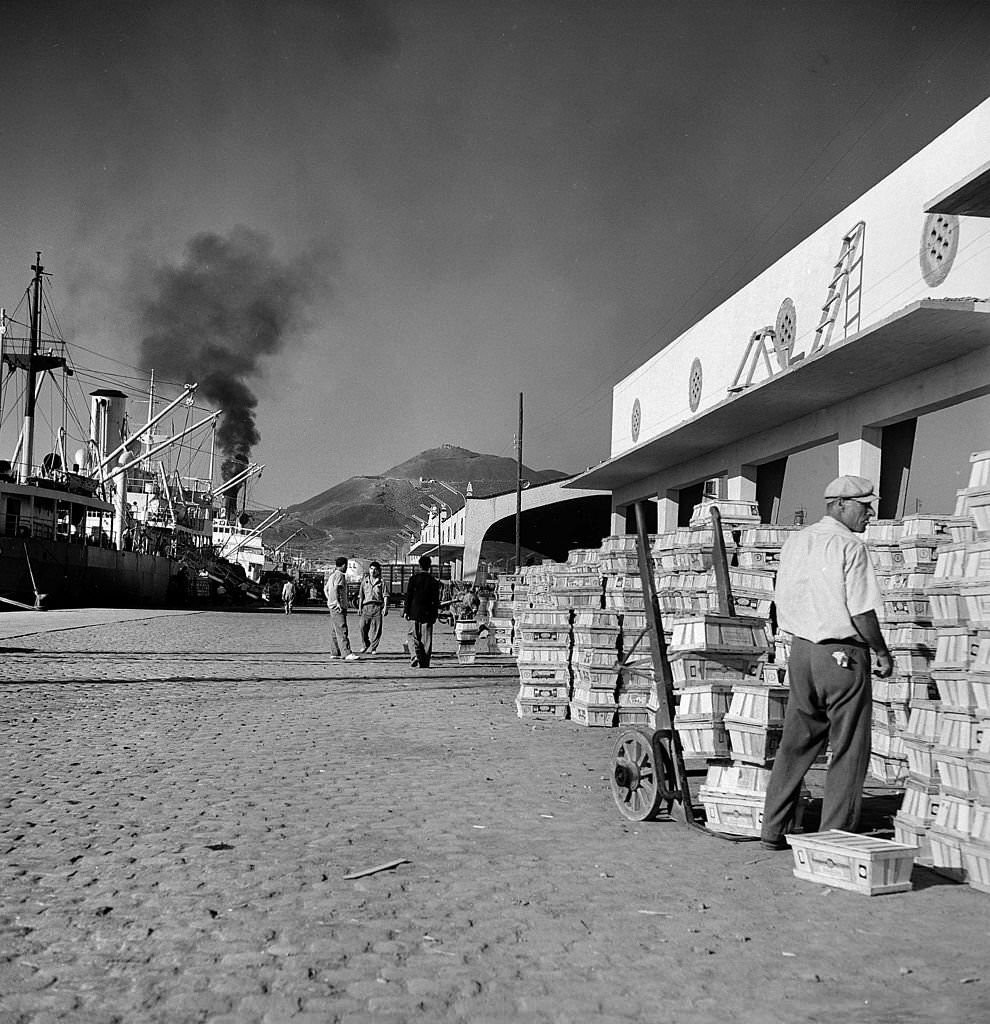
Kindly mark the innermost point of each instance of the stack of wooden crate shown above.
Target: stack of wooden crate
(596, 669)
(501, 613)
(544, 661)
(709, 654)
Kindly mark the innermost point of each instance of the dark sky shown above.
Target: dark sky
(488, 197)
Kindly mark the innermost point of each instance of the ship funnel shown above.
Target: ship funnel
(107, 411)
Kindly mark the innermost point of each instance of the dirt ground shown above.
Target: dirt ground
(184, 795)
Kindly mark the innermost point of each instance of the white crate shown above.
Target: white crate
(977, 601)
(593, 715)
(954, 814)
(737, 779)
(976, 864)
(711, 699)
(721, 634)
(754, 744)
(920, 802)
(541, 708)
(543, 692)
(908, 833)
(892, 771)
(702, 737)
(959, 732)
(858, 863)
(758, 704)
(946, 850)
(923, 722)
(736, 514)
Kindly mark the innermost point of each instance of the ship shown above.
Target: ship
(113, 527)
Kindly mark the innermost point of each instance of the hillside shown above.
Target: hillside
(364, 513)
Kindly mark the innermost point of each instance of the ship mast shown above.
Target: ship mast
(27, 452)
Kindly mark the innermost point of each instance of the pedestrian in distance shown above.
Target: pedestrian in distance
(421, 607)
(373, 605)
(288, 596)
(827, 598)
(335, 587)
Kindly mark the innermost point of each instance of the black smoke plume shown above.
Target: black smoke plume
(211, 318)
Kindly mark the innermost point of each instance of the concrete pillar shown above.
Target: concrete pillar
(667, 512)
(618, 521)
(859, 453)
(741, 484)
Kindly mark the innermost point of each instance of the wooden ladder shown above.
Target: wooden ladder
(841, 288)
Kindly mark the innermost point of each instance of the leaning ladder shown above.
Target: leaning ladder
(842, 290)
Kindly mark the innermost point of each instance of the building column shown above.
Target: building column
(667, 505)
(859, 453)
(618, 520)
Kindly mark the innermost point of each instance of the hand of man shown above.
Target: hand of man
(884, 666)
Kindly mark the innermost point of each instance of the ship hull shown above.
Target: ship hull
(79, 576)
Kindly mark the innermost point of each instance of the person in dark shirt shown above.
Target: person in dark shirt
(421, 607)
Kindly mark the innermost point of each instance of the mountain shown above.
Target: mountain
(361, 516)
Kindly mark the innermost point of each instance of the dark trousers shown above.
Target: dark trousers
(420, 643)
(828, 702)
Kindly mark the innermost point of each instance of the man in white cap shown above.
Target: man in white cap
(827, 598)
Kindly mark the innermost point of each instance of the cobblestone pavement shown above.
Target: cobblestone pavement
(183, 796)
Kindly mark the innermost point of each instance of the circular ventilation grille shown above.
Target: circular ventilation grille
(785, 332)
(637, 419)
(694, 385)
(939, 242)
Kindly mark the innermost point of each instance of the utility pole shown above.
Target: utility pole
(519, 479)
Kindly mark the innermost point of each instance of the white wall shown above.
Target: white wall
(892, 278)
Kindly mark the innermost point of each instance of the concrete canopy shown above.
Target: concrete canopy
(925, 334)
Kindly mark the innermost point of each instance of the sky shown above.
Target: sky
(442, 204)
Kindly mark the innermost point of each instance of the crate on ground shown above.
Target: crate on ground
(593, 715)
(976, 864)
(909, 833)
(858, 863)
(529, 708)
(946, 853)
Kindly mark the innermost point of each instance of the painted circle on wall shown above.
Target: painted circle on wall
(637, 419)
(939, 242)
(694, 385)
(785, 332)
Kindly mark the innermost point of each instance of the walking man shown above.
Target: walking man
(373, 602)
(288, 596)
(335, 587)
(827, 597)
(421, 607)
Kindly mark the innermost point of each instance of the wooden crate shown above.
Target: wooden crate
(538, 692)
(636, 716)
(920, 802)
(593, 715)
(701, 737)
(735, 514)
(946, 848)
(979, 828)
(596, 618)
(758, 704)
(688, 670)
(541, 708)
(910, 834)
(890, 770)
(959, 732)
(979, 770)
(907, 606)
(976, 864)
(545, 675)
(720, 635)
(738, 779)
(592, 697)
(860, 864)
(754, 744)
(976, 596)
(923, 722)
(954, 814)
(711, 699)
(531, 654)
(734, 814)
